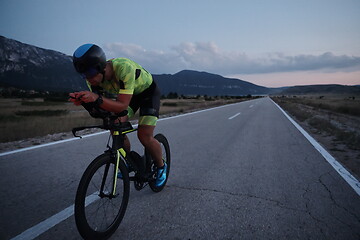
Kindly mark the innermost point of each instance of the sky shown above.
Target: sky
(271, 43)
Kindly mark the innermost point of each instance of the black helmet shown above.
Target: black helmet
(89, 57)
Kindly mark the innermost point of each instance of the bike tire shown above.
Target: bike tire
(90, 207)
(166, 157)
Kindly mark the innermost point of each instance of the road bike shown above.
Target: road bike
(103, 192)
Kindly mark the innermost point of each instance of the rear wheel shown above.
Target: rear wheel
(98, 212)
(165, 148)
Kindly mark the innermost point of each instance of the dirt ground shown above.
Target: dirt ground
(342, 144)
(169, 107)
(348, 156)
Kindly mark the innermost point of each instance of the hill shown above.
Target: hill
(31, 68)
(189, 82)
(334, 89)
(27, 67)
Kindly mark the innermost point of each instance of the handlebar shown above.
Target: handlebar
(74, 130)
(109, 123)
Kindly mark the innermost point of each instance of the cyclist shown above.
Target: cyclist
(133, 87)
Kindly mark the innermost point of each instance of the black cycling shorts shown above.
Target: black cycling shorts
(149, 103)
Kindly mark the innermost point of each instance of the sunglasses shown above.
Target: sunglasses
(90, 73)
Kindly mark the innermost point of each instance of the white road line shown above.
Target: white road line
(345, 174)
(204, 110)
(94, 134)
(49, 144)
(52, 221)
(45, 225)
(251, 106)
(234, 116)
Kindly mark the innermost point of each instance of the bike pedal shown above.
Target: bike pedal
(139, 185)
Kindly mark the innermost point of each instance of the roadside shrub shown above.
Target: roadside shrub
(42, 113)
(322, 125)
(24, 103)
(350, 138)
(170, 104)
(295, 110)
(9, 118)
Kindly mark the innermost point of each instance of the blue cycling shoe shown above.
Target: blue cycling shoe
(161, 176)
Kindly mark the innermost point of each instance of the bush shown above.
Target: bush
(170, 104)
(172, 95)
(9, 118)
(42, 113)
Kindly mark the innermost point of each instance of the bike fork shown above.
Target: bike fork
(120, 152)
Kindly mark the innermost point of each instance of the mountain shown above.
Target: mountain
(189, 82)
(31, 68)
(322, 89)
(28, 67)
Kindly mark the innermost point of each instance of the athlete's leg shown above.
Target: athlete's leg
(127, 145)
(149, 103)
(146, 137)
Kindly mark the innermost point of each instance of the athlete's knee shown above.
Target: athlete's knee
(145, 137)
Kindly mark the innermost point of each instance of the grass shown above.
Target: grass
(319, 113)
(21, 119)
(34, 126)
(334, 121)
(27, 118)
(351, 139)
(9, 118)
(170, 104)
(42, 113)
(335, 104)
(26, 103)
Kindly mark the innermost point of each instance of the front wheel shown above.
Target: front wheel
(165, 148)
(98, 212)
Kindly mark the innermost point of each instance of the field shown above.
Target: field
(334, 121)
(42, 121)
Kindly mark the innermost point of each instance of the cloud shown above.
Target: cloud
(207, 56)
(153, 60)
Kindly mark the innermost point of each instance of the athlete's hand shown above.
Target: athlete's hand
(75, 97)
(85, 96)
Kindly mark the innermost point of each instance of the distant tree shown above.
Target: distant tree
(172, 95)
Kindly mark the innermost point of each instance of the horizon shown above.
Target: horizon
(209, 72)
(268, 43)
(230, 77)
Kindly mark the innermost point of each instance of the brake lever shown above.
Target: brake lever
(74, 133)
(74, 130)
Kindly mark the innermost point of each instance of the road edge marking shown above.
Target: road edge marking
(345, 174)
(234, 116)
(49, 144)
(52, 221)
(44, 226)
(102, 132)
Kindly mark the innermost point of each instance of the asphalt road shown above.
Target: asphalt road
(241, 171)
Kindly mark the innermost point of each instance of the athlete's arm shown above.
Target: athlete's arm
(122, 102)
